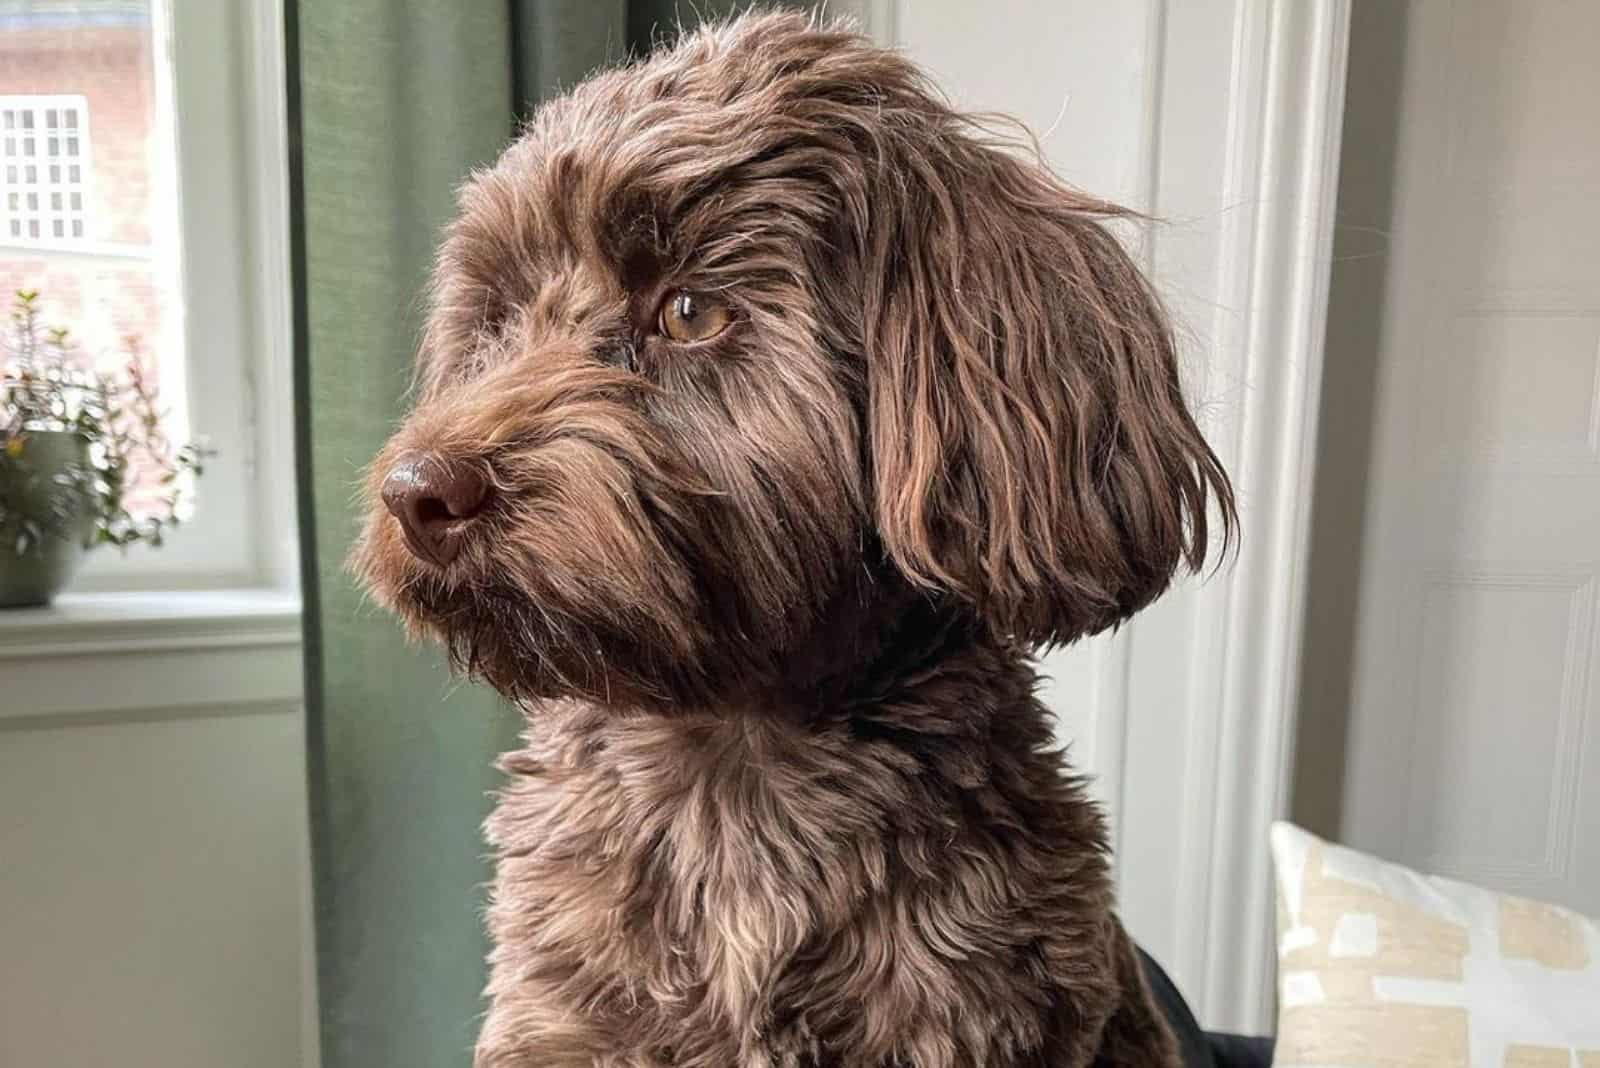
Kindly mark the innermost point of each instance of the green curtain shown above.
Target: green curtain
(391, 103)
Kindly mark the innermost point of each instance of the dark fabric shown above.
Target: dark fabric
(1199, 1049)
(392, 103)
(1191, 1039)
(1234, 1051)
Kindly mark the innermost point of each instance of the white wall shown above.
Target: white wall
(154, 877)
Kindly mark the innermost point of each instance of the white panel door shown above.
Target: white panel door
(1474, 744)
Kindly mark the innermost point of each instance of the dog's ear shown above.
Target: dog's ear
(1030, 448)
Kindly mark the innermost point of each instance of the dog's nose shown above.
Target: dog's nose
(433, 499)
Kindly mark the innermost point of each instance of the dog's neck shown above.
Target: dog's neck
(904, 669)
(889, 646)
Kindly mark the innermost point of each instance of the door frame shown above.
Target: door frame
(1246, 139)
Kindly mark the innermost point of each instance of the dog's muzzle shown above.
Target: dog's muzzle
(435, 500)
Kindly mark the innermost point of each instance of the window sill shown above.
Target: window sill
(115, 657)
(145, 621)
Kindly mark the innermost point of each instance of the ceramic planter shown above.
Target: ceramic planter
(35, 576)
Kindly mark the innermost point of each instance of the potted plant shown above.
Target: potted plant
(85, 459)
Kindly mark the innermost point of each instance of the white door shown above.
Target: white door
(1473, 743)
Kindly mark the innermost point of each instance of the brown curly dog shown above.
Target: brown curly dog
(769, 412)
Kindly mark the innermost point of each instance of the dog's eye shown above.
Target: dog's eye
(687, 316)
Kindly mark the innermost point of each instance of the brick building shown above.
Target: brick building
(78, 199)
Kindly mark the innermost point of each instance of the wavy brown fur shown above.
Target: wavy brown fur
(788, 798)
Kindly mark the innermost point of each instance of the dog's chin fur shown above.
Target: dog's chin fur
(788, 799)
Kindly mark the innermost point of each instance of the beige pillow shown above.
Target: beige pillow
(1379, 967)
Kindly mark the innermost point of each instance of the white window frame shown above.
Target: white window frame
(222, 241)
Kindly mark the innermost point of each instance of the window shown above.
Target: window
(46, 166)
(142, 194)
(79, 217)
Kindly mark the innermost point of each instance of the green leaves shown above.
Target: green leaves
(135, 481)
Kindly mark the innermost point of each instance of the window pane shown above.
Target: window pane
(77, 84)
(83, 137)
(104, 306)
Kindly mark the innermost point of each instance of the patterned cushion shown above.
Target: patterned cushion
(1379, 967)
